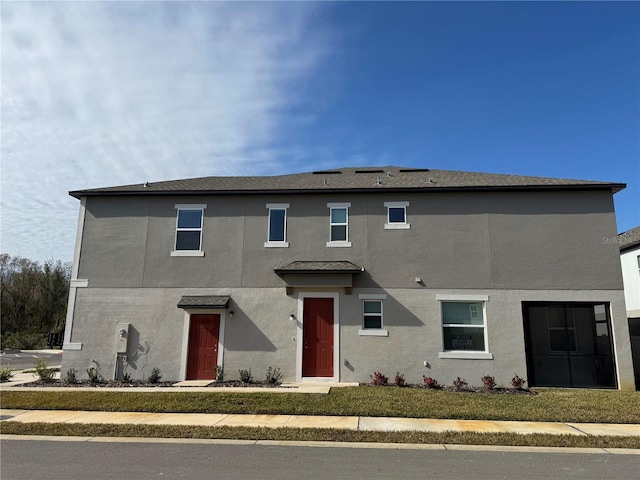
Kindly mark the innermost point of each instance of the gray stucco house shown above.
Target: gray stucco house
(335, 274)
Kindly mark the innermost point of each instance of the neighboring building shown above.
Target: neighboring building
(629, 242)
(333, 275)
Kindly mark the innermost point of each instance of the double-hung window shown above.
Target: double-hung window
(277, 228)
(464, 327)
(397, 216)
(339, 224)
(372, 315)
(189, 220)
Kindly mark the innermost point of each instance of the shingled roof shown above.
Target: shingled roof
(629, 239)
(361, 179)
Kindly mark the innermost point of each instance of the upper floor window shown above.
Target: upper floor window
(189, 230)
(277, 229)
(396, 215)
(464, 328)
(339, 225)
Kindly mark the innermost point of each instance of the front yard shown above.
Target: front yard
(554, 405)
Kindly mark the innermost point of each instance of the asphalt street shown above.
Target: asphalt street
(112, 460)
(21, 360)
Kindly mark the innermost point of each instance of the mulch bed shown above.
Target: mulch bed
(451, 388)
(138, 383)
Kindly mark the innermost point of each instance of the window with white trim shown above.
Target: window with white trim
(277, 226)
(372, 315)
(463, 326)
(189, 221)
(338, 225)
(396, 216)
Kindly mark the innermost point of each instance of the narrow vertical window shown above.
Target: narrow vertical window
(397, 216)
(189, 222)
(339, 225)
(277, 227)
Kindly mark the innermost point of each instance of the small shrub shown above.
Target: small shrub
(399, 380)
(379, 379)
(155, 376)
(245, 376)
(517, 382)
(94, 376)
(430, 382)
(273, 375)
(460, 384)
(6, 373)
(219, 373)
(126, 377)
(42, 371)
(489, 382)
(72, 376)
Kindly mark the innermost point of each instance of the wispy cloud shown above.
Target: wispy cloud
(97, 94)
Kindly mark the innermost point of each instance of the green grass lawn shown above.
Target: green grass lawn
(556, 405)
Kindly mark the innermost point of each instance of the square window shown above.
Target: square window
(396, 216)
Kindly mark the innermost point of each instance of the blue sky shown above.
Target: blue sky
(100, 94)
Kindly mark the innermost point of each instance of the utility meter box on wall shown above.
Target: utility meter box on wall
(122, 337)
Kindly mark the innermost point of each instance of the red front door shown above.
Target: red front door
(203, 347)
(317, 328)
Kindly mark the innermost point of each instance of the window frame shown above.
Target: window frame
(188, 253)
(339, 206)
(277, 243)
(389, 225)
(465, 354)
(373, 332)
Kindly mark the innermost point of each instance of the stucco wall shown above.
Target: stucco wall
(260, 333)
(527, 240)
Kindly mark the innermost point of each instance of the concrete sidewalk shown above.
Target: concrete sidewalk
(311, 421)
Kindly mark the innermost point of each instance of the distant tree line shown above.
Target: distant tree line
(34, 301)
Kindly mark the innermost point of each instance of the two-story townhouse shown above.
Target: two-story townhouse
(629, 242)
(332, 275)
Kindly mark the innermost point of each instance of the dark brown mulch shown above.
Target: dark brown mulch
(138, 383)
(451, 388)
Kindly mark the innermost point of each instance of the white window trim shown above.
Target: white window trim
(277, 244)
(340, 243)
(397, 225)
(188, 253)
(373, 332)
(466, 354)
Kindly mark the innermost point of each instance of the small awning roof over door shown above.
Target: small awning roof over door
(305, 273)
(204, 301)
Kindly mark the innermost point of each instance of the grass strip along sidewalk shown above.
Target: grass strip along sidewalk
(318, 435)
(554, 405)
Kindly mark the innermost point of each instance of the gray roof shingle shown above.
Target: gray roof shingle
(204, 301)
(309, 266)
(629, 239)
(349, 179)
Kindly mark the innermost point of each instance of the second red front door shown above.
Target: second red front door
(203, 347)
(317, 327)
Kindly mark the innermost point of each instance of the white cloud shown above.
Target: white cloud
(99, 94)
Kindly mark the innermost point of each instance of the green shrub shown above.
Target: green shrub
(94, 376)
(220, 373)
(23, 341)
(155, 376)
(245, 376)
(126, 377)
(273, 375)
(6, 373)
(72, 375)
(42, 371)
